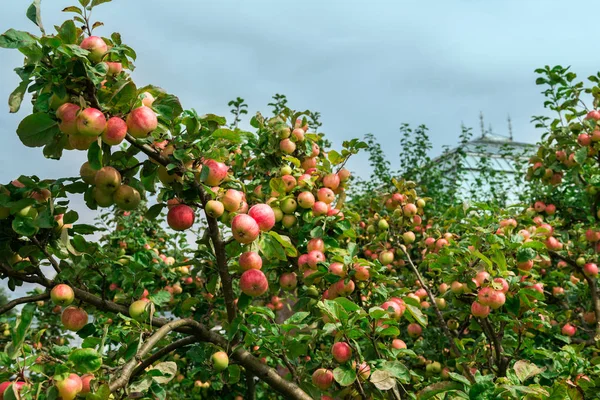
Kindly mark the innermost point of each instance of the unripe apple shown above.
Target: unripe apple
(414, 330)
(96, 46)
(69, 387)
(479, 310)
(341, 352)
(74, 318)
(127, 198)
(254, 283)
(287, 146)
(115, 132)
(103, 199)
(263, 215)
(62, 295)
(220, 361)
(289, 221)
(322, 378)
(443, 288)
(87, 173)
(289, 205)
(80, 142)
(441, 303)
(217, 172)
(91, 122)
(107, 180)
(180, 217)
(288, 281)
(244, 228)
(278, 214)
(147, 99)
(140, 310)
(67, 116)
(250, 260)
(409, 237)
(386, 257)
(214, 208)
(141, 121)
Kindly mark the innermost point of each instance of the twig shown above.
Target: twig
(48, 255)
(22, 300)
(186, 341)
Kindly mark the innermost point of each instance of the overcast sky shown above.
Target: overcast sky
(367, 66)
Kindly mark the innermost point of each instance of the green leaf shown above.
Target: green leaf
(483, 258)
(98, 2)
(347, 304)
(94, 156)
(297, 317)
(397, 369)
(10, 393)
(271, 248)
(16, 97)
(37, 130)
(383, 380)
(18, 337)
(581, 155)
(86, 360)
(335, 157)
(234, 373)
(160, 298)
(121, 97)
(154, 211)
(417, 314)
(34, 14)
(344, 375)
(74, 9)
(12, 39)
(286, 242)
(168, 106)
(441, 387)
(24, 226)
(68, 32)
(166, 370)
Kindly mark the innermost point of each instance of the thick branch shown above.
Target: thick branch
(438, 313)
(186, 341)
(501, 360)
(22, 300)
(129, 367)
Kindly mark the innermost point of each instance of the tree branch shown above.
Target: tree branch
(22, 300)
(438, 313)
(186, 341)
(48, 255)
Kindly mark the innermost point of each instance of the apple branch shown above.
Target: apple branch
(501, 361)
(186, 341)
(438, 313)
(48, 255)
(22, 300)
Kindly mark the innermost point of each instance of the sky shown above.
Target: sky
(367, 66)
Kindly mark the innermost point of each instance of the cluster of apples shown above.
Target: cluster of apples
(84, 126)
(108, 189)
(73, 318)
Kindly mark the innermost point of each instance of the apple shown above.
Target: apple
(214, 208)
(342, 288)
(481, 277)
(320, 208)
(85, 383)
(74, 318)
(87, 173)
(250, 260)
(67, 117)
(127, 198)
(62, 295)
(56, 101)
(398, 344)
(147, 99)
(140, 310)
(96, 46)
(263, 215)
(314, 257)
(394, 309)
(409, 237)
(289, 221)
(315, 150)
(316, 244)
(361, 273)
(568, 330)
(479, 310)
(386, 257)
(254, 283)
(364, 371)
(414, 330)
(584, 139)
(141, 121)
(306, 200)
(503, 283)
(217, 172)
(287, 146)
(590, 269)
(220, 361)
(69, 387)
(114, 68)
(409, 210)
(79, 142)
(322, 378)
(553, 244)
(308, 163)
(298, 134)
(341, 352)
(91, 122)
(288, 281)
(326, 195)
(289, 205)
(107, 180)
(337, 269)
(181, 217)
(244, 228)
(16, 387)
(103, 199)
(232, 200)
(115, 132)
(331, 181)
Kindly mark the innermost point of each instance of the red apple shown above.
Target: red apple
(414, 330)
(331, 181)
(263, 215)
(91, 122)
(244, 228)
(180, 217)
(250, 260)
(591, 269)
(74, 318)
(85, 383)
(306, 200)
(217, 172)
(96, 46)
(114, 68)
(288, 281)
(568, 330)
(326, 195)
(479, 310)
(341, 352)
(115, 132)
(287, 146)
(254, 283)
(141, 121)
(322, 378)
(320, 208)
(232, 200)
(67, 116)
(62, 295)
(314, 257)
